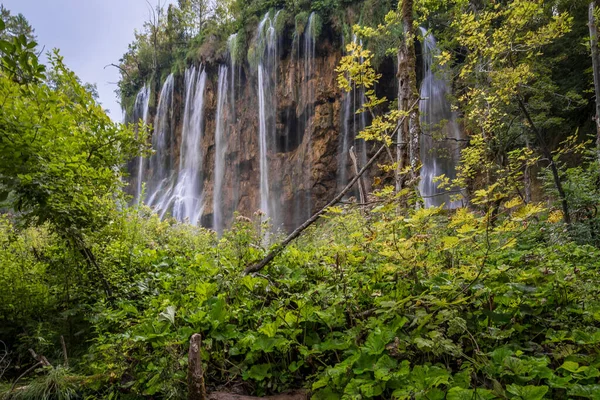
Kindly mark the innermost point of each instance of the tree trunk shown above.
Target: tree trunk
(553, 168)
(409, 135)
(596, 68)
(527, 176)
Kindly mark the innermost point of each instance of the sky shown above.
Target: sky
(90, 34)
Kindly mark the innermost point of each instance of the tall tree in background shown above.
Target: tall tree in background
(508, 87)
(409, 134)
(15, 25)
(593, 24)
(196, 13)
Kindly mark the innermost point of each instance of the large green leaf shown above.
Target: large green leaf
(527, 392)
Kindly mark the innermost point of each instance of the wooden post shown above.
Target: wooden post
(64, 350)
(196, 388)
(596, 69)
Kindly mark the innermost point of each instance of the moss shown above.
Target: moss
(253, 56)
(239, 47)
(301, 21)
(282, 21)
(317, 25)
(178, 67)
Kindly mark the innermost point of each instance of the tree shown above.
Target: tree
(357, 67)
(62, 155)
(15, 25)
(409, 135)
(596, 68)
(508, 89)
(196, 13)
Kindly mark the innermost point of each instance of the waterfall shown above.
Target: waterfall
(441, 133)
(187, 196)
(303, 199)
(232, 50)
(140, 114)
(161, 162)
(267, 103)
(234, 132)
(220, 149)
(352, 125)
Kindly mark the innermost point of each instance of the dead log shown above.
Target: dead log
(40, 358)
(196, 387)
(299, 395)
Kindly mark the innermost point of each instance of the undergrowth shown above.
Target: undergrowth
(427, 304)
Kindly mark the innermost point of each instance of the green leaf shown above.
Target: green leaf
(168, 315)
(371, 389)
(269, 329)
(585, 391)
(457, 393)
(377, 340)
(326, 394)
(384, 367)
(570, 366)
(322, 382)
(258, 372)
(218, 313)
(527, 392)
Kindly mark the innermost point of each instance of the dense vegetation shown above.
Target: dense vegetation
(499, 299)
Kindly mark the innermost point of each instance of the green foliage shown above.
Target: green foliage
(300, 21)
(424, 304)
(57, 384)
(61, 151)
(19, 61)
(14, 26)
(496, 300)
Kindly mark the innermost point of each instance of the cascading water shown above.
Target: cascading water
(303, 206)
(140, 114)
(267, 103)
(236, 71)
(161, 162)
(232, 50)
(441, 133)
(220, 148)
(187, 199)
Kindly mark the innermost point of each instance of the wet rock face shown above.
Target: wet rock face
(303, 154)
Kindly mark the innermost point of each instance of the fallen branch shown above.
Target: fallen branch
(298, 231)
(12, 388)
(40, 358)
(41, 362)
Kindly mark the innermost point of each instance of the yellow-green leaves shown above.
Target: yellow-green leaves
(504, 45)
(356, 67)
